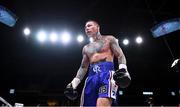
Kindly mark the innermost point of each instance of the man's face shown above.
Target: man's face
(91, 28)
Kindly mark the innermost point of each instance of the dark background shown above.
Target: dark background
(39, 73)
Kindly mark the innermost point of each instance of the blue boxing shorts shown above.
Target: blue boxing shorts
(99, 83)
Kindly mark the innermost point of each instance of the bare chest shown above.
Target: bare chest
(101, 46)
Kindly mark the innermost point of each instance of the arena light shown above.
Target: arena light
(11, 91)
(80, 38)
(139, 40)
(53, 37)
(27, 31)
(147, 93)
(173, 93)
(65, 37)
(125, 41)
(90, 39)
(41, 36)
(120, 92)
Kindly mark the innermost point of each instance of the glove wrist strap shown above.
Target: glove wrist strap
(75, 82)
(121, 66)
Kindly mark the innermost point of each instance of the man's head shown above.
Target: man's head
(92, 28)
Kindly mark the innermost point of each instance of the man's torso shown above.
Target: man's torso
(99, 50)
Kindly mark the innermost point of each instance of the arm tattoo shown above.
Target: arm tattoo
(84, 66)
(118, 51)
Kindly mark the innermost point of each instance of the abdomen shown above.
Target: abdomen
(98, 57)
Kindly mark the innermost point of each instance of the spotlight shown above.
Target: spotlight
(125, 41)
(53, 37)
(41, 36)
(66, 37)
(139, 40)
(27, 31)
(80, 38)
(90, 39)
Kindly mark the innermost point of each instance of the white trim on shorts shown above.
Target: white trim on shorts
(112, 86)
(82, 95)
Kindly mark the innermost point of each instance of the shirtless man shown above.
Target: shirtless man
(102, 81)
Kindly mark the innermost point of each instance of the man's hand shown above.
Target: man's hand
(70, 92)
(122, 77)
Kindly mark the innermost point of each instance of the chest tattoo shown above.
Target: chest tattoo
(96, 47)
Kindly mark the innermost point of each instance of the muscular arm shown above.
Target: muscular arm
(117, 51)
(121, 76)
(82, 70)
(83, 67)
(70, 91)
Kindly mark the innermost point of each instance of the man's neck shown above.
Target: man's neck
(96, 37)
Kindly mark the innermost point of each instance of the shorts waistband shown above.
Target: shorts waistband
(100, 67)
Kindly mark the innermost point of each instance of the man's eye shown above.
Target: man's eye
(89, 25)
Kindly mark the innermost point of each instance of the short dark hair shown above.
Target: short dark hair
(90, 20)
